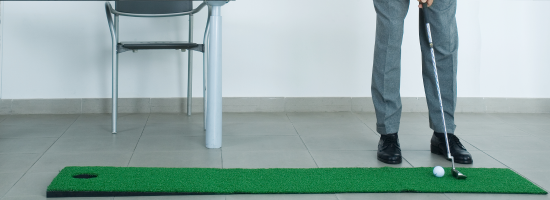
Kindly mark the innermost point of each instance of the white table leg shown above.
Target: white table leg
(214, 78)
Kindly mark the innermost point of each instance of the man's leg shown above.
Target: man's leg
(386, 75)
(445, 41)
(386, 70)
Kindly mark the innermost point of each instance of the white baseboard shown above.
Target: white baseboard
(263, 104)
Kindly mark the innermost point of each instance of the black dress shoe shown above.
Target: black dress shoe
(388, 149)
(458, 151)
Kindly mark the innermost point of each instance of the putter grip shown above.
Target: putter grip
(425, 12)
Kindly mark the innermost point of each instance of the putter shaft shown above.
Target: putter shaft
(455, 172)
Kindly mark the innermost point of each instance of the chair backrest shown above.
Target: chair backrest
(154, 7)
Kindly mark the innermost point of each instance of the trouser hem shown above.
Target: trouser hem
(384, 129)
(450, 129)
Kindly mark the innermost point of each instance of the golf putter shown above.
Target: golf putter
(455, 172)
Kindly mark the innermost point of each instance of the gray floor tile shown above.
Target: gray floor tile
(95, 144)
(331, 158)
(8, 180)
(408, 128)
(506, 142)
(175, 118)
(259, 128)
(396, 196)
(476, 118)
(419, 118)
(312, 129)
(517, 160)
(281, 197)
(122, 118)
(54, 162)
(461, 196)
(338, 139)
(428, 159)
(171, 143)
(521, 118)
(105, 130)
(536, 129)
(3, 117)
(25, 145)
(421, 142)
(32, 184)
(366, 117)
(372, 127)
(411, 123)
(178, 197)
(40, 119)
(341, 142)
(209, 158)
(490, 129)
(267, 159)
(255, 117)
(183, 129)
(32, 130)
(262, 143)
(17, 162)
(323, 117)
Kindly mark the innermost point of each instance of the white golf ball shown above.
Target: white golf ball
(439, 171)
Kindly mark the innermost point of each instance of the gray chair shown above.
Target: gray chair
(150, 9)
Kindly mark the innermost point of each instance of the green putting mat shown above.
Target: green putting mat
(124, 181)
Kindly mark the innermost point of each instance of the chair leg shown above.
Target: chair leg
(115, 92)
(189, 82)
(204, 102)
(204, 65)
(115, 79)
(190, 69)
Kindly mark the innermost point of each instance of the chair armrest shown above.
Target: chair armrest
(196, 10)
(108, 9)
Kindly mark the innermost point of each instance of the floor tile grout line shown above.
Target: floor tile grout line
(25, 173)
(445, 194)
(356, 115)
(361, 150)
(460, 137)
(408, 161)
(137, 143)
(507, 166)
(309, 152)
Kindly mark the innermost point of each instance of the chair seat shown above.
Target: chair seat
(158, 45)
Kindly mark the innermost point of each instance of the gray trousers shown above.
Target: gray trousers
(386, 71)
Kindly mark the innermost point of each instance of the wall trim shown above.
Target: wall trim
(263, 104)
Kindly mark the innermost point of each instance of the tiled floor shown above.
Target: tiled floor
(33, 148)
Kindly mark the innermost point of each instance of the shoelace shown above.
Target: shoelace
(389, 141)
(454, 139)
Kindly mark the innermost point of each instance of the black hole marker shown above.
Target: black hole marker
(84, 176)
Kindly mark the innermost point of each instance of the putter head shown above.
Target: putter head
(458, 175)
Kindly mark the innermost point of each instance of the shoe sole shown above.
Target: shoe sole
(390, 161)
(438, 151)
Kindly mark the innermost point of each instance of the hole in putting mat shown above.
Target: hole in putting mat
(85, 176)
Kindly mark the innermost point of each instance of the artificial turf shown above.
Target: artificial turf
(124, 181)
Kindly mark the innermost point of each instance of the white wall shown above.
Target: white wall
(283, 48)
